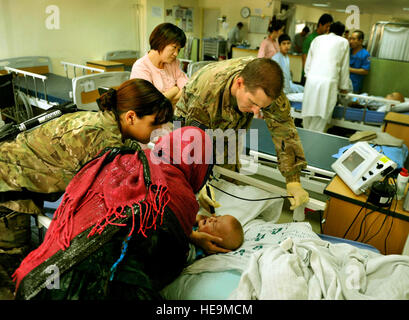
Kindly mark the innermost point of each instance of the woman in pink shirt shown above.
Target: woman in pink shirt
(269, 46)
(160, 66)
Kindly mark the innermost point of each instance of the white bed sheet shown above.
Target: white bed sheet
(216, 276)
(315, 269)
(287, 261)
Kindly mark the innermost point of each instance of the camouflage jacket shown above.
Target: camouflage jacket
(45, 159)
(206, 98)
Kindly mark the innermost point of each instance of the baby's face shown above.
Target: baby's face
(218, 226)
(393, 96)
(390, 96)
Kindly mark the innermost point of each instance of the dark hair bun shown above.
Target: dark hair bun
(107, 101)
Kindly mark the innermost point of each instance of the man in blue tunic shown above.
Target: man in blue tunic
(359, 60)
(283, 60)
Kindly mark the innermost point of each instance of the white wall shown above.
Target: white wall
(366, 20)
(88, 29)
(231, 9)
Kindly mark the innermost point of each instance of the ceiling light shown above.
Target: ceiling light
(406, 9)
(320, 4)
(340, 10)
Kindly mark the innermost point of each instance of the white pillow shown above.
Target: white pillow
(245, 211)
(401, 107)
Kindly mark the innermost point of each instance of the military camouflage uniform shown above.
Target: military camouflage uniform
(45, 160)
(206, 98)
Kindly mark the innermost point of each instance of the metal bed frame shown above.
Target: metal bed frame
(32, 83)
(350, 117)
(45, 89)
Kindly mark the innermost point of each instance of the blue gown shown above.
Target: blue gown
(358, 61)
(284, 62)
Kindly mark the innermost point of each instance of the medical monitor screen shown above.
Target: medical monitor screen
(353, 161)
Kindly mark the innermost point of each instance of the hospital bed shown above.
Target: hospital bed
(261, 157)
(127, 57)
(35, 78)
(223, 276)
(219, 276)
(349, 117)
(45, 89)
(85, 88)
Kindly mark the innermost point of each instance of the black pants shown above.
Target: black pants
(149, 265)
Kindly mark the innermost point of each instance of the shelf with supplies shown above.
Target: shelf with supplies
(214, 49)
(352, 217)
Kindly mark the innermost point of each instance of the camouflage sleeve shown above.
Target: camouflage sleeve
(85, 145)
(285, 137)
(191, 107)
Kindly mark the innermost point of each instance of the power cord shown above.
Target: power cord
(383, 183)
(393, 214)
(237, 197)
(369, 228)
(356, 216)
(362, 223)
(386, 181)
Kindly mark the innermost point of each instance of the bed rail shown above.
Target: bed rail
(349, 117)
(79, 66)
(85, 88)
(36, 100)
(357, 118)
(34, 64)
(313, 204)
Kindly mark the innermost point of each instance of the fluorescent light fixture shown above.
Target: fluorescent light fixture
(320, 4)
(340, 10)
(406, 9)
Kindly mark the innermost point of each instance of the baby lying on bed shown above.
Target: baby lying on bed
(226, 227)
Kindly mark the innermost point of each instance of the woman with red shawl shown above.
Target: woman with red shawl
(123, 227)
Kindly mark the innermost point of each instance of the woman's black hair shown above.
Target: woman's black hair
(140, 96)
(165, 34)
(275, 25)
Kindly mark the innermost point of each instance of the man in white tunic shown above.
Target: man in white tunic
(327, 71)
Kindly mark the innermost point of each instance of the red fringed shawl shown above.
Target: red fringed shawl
(99, 193)
(118, 184)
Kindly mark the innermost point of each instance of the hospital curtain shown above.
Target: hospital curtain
(394, 43)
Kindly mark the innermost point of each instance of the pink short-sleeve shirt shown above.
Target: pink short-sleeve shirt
(163, 79)
(268, 48)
